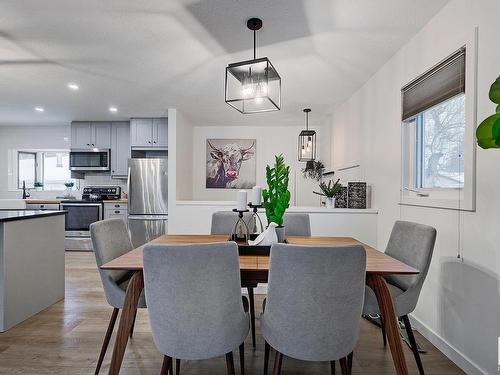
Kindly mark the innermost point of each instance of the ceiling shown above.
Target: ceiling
(146, 56)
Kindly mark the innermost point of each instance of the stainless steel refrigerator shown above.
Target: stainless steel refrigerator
(147, 199)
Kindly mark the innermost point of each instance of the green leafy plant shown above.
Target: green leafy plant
(488, 132)
(330, 190)
(276, 196)
(314, 169)
(38, 184)
(69, 184)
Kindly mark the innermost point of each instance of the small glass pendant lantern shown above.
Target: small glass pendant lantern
(307, 142)
(253, 86)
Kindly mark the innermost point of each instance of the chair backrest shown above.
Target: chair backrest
(110, 239)
(193, 293)
(297, 224)
(314, 301)
(223, 221)
(412, 244)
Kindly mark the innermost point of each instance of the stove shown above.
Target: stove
(83, 212)
(100, 193)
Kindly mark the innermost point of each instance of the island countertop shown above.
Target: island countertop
(12, 215)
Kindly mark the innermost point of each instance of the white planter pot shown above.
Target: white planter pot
(330, 203)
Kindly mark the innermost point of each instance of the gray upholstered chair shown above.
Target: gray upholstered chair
(223, 223)
(194, 301)
(412, 244)
(110, 239)
(314, 303)
(297, 224)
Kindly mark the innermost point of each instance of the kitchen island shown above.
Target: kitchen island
(31, 263)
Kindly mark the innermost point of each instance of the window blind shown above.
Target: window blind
(440, 83)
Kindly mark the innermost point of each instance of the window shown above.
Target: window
(49, 169)
(26, 166)
(438, 135)
(55, 170)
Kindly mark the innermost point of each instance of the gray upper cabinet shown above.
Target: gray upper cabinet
(148, 132)
(102, 134)
(81, 134)
(160, 132)
(120, 149)
(90, 135)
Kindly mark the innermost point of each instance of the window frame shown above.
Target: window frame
(447, 198)
(19, 185)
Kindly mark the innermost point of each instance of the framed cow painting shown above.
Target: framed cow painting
(230, 163)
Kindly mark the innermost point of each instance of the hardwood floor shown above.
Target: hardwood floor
(67, 337)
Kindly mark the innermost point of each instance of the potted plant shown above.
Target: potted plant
(276, 196)
(69, 186)
(330, 191)
(314, 169)
(38, 185)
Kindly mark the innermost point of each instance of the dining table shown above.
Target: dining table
(255, 269)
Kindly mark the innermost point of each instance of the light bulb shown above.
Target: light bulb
(303, 150)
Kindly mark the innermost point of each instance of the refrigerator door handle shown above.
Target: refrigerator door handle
(128, 189)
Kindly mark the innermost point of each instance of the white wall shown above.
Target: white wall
(270, 141)
(459, 308)
(184, 157)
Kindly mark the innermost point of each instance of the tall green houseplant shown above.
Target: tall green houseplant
(488, 132)
(276, 196)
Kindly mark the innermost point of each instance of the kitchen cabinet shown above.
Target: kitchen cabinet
(90, 135)
(120, 149)
(149, 132)
(102, 134)
(81, 134)
(160, 132)
(114, 210)
(42, 206)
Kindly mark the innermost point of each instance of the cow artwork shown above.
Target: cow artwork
(230, 163)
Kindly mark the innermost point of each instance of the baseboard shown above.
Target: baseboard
(448, 350)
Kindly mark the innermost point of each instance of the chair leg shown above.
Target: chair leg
(252, 313)
(171, 367)
(349, 361)
(413, 344)
(332, 367)
(242, 358)
(267, 348)
(382, 326)
(278, 360)
(107, 337)
(133, 324)
(344, 366)
(177, 366)
(230, 364)
(165, 367)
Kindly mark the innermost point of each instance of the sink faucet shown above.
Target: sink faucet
(26, 194)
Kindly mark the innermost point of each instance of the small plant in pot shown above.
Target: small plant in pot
(330, 191)
(276, 196)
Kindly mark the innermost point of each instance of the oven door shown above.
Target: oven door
(80, 216)
(89, 160)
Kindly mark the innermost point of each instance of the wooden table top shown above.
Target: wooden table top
(376, 261)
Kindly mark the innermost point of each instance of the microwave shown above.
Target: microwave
(89, 160)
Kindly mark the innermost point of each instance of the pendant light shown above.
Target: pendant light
(253, 86)
(307, 141)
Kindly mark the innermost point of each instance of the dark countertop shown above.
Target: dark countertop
(12, 215)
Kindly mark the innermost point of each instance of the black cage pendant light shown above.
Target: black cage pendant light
(307, 141)
(253, 86)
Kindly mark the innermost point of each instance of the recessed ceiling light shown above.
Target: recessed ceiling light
(39, 109)
(113, 109)
(73, 86)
